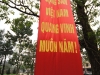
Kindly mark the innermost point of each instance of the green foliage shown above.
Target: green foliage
(3, 11)
(4, 1)
(28, 59)
(37, 5)
(5, 49)
(98, 36)
(91, 7)
(1, 38)
(20, 27)
(5, 44)
(5, 8)
(13, 60)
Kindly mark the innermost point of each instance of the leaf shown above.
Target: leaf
(4, 1)
(98, 4)
(12, 12)
(37, 5)
(4, 7)
(8, 22)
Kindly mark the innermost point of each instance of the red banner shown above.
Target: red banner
(58, 51)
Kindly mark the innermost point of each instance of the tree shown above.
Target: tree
(1, 43)
(85, 11)
(5, 49)
(89, 41)
(22, 29)
(29, 57)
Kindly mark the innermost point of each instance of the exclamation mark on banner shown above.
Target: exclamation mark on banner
(75, 47)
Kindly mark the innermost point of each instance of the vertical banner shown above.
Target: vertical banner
(58, 51)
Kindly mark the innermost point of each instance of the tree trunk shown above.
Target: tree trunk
(0, 65)
(17, 71)
(2, 72)
(89, 39)
(31, 71)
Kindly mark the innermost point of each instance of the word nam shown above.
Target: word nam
(60, 46)
(67, 46)
(66, 28)
(49, 27)
(62, 13)
(56, 13)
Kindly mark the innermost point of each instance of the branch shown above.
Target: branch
(26, 7)
(15, 7)
(78, 23)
